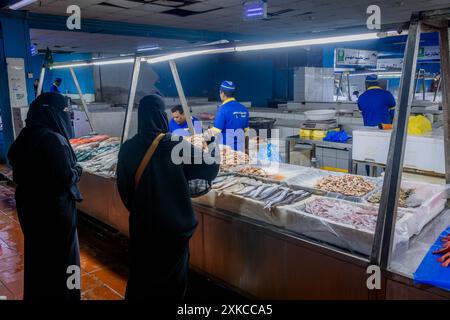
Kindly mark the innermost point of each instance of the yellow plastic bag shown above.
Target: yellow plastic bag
(418, 125)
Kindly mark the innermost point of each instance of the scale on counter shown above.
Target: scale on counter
(320, 124)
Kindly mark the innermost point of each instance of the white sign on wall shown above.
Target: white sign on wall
(390, 63)
(429, 53)
(17, 84)
(355, 57)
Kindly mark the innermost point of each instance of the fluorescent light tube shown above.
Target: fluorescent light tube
(148, 48)
(70, 65)
(308, 42)
(21, 4)
(178, 55)
(117, 61)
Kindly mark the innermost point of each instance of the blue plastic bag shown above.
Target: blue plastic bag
(430, 271)
(336, 136)
(269, 152)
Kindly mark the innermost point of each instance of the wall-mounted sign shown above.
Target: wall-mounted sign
(390, 63)
(429, 53)
(17, 84)
(355, 57)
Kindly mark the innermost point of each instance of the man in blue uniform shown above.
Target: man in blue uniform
(232, 118)
(376, 104)
(55, 85)
(178, 124)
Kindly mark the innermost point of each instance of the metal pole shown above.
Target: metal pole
(41, 81)
(445, 85)
(183, 100)
(437, 89)
(387, 212)
(83, 102)
(424, 87)
(131, 96)
(348, 87)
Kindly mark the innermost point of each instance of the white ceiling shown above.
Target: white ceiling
(302, 16)
(95, 42)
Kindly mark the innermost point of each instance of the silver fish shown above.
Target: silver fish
(273, 200)
(226, 184)
(258, 190)
(220, 179)
(247, 189)
(268, 192)
(293, 197)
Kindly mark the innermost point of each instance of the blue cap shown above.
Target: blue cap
(372, 78)
(227, 86)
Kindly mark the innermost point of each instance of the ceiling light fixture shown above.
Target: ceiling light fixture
(308, 42)
(148, 48)
(235, 48)
(21, 4)
(178, 55)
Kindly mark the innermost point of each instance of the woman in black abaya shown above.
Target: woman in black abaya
(162, 219)
(46, 173)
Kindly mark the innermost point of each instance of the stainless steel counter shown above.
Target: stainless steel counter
(292, 140)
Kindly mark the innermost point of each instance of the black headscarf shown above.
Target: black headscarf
(152, 118)
(50, 111)
(46, 113)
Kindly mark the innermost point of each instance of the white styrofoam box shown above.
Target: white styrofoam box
(372, 145)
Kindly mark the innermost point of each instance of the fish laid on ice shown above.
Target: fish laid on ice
(280, 197)
(258, 191)
(246, 190)
(268, 192)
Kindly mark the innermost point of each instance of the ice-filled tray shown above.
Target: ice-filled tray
(309, 178)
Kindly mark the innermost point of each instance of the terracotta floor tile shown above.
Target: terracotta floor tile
(10, 276)
(6, 293)
(12, 263)
(90, 263)
(12, 235)
(6, 251)
(16, 287)
(7, 204)
(114, 278)
(89, 282)
(101, 293)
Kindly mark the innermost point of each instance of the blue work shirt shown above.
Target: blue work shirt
(232, 119)
(54, 88)
(377, 106)
(183, 129)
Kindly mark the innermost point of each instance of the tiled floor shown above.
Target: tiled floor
(103, 260)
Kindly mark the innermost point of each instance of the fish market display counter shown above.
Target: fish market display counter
(290, 234)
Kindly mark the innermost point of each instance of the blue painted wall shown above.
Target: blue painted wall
(15, 38)
(84, 75)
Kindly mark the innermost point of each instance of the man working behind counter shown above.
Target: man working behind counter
(376, 104)
(232, 118)
(178, 124)
(55, 85)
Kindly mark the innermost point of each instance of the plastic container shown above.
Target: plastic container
(320, 115)
(259, 123)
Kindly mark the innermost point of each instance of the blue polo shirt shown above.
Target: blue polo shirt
(54, 88)
(377, 106)
(183, 129)
(232, 120)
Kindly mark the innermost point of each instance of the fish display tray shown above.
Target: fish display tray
(293, 218)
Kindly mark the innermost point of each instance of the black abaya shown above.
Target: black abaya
(162, 219)
(46, 173)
